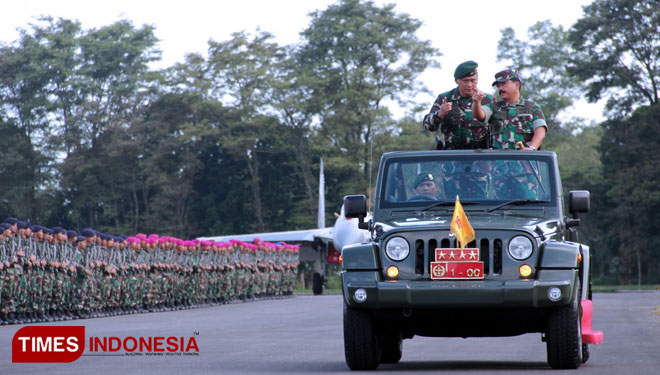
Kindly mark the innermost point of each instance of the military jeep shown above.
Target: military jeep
(525, 271)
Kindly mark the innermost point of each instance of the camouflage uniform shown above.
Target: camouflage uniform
(469, 181)
(459, 128)
(516, 180)
(48, 274)
(513, 123)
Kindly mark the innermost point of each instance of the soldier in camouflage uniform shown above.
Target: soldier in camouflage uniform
(467, 180)
(452, 112)
(54, 274)
(5, 275)
(515, 123)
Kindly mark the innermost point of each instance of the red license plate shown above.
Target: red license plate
(456, 255)
(457, 270)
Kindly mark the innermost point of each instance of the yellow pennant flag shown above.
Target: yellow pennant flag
(460, 226)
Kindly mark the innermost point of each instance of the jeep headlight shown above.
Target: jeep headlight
(397, 248)
(520, 247)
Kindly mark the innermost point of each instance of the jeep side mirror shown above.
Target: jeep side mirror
(356, 206)
(578, 201)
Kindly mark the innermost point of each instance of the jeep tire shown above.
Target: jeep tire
(391, 345)
(564, 335)
(585, 353)
(361, 344)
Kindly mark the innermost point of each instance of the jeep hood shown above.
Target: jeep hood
(478, 221)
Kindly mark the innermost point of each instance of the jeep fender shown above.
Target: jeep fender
(560, 255)
(586, 272)
(360, 257)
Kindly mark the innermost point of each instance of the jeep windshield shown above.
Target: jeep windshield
(479, 180)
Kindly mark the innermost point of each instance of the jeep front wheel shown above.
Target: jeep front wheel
(361, 345)
(564, 335)
(391, 347)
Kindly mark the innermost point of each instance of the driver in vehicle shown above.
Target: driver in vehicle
(425, 185)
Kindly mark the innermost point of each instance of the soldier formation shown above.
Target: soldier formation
(49, 274)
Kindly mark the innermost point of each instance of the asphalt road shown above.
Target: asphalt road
(303, 335)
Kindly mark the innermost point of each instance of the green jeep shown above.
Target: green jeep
(524, 272)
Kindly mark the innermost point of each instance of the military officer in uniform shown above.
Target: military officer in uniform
(425, 186)
(452, 112)
(515, 122)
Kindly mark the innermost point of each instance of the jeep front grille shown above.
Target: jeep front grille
(490, 251)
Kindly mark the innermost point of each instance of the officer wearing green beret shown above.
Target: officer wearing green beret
(452, 112)
(515, 122)
(425, 187)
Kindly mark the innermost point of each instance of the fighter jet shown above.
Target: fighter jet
(320, 245)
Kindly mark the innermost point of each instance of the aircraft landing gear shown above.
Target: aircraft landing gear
(317, 283)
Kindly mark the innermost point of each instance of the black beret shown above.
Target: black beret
(71, 233)
(11, 220)
(88, 232)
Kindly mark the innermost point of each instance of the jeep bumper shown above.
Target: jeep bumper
(459, 294)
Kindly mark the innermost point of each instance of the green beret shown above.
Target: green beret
(466, 69)
(424, 176)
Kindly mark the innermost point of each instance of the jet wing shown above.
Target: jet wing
(290, 237)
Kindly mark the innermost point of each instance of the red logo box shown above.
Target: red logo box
(48, 344)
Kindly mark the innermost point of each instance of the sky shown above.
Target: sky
(460, 30)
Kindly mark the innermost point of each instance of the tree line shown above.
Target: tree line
(229, 141)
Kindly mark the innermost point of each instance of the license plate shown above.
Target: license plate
(457, 270)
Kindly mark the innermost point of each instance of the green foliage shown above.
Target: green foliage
(361, 55)
(230, 142)
(541, 61)
(618, 57)
(621, 44)
(633, 177)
